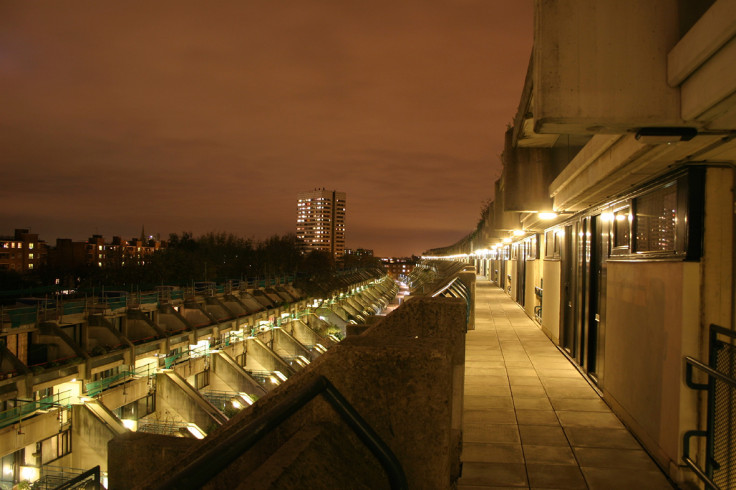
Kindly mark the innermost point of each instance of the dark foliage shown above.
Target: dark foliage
(186, 259)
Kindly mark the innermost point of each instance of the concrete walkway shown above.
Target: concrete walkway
(531, 420)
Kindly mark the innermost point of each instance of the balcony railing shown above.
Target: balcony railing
(96, 387)
(26, 408)
(718, 469)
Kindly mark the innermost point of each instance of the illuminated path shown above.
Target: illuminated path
(530, 418)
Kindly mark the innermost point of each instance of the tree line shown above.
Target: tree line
(187, 259)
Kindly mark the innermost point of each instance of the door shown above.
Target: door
(568, 274)
(521, 274)
(593, 266)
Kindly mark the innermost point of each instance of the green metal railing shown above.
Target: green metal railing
(185, 355)
(74, 307)
(28, 407)
(148, 298)
(96, 387)
(18, 316)
(115, 303)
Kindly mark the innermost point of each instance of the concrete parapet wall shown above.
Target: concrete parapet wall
(137, 455)
(260, 358)
(34, 428)
(404, 376)
(171, 320)
(179, 402)
(93, 426)
(125, 393)
(314, 451)
(286, 345)
(305, 334)
(196, 315)
(234, 376)
(468, 280)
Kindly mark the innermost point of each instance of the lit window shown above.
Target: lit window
(656, 220)
(30, 266)
(30, 256)
(30, 246)
(622, 228)
(99, 247)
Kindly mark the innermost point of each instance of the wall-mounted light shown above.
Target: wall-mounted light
(547, 215)
(665, 135)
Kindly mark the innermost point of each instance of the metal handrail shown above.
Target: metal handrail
(212, 460)
(454, 285)
(692, 464)
(94, 472)
(692, 362)
(706, 475)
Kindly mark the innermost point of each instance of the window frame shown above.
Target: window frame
(690, 189)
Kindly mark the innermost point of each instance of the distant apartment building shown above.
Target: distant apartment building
(398, 266)
(320, 221)
(67, 254)
(359, 252)
(97, 252)
(119, 252)
(21, 252)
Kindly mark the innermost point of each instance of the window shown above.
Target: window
(621, 230)
(656, 220)
(532, 251)
(56, 446)
(202, 379)
(146, 405)
(552, 240)
(665, 220)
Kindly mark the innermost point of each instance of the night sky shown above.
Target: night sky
(212, 116)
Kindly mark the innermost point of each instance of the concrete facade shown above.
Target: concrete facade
(141, 365)
(629, 109)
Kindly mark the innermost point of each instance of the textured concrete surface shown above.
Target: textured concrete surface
(531, 420)
(134, 456)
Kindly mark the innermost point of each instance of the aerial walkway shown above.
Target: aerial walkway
(531, 420)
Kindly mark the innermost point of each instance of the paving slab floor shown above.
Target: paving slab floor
(531, 420)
